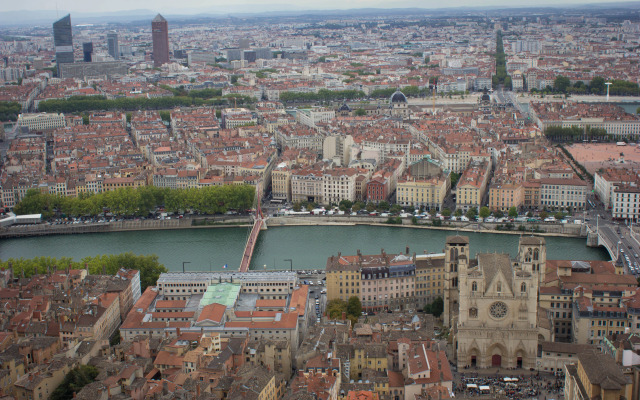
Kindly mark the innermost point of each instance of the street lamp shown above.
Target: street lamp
(290, 262)
(183, 263)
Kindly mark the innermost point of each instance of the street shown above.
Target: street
(600, 219)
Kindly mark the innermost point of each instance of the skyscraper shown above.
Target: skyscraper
(87, 51)
(63, 41)
(160, 34)
(112, 44)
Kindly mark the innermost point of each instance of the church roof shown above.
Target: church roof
(531, 240)
(493, 264)
(398, 97)
(457, 239)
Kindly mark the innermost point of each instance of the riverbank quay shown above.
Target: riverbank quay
(542, 229)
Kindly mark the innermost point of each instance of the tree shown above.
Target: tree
(346, 203)
(74, 381)
(335, 308)
(360, 112)
(436, 308)
(370, 207)
(354, 306)
(561, 83)
(471, 213)
(454, 179)
(383, 205)
(543, 214)
(513, 212)
(446, 212)
(559, 216)
(498, 214)
(484, 212)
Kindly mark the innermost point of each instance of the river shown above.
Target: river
(307, 246)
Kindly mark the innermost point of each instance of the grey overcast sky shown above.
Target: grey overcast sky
(226, 6)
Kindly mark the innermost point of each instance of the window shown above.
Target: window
(499, 287)
(474, 286)
(523, 287)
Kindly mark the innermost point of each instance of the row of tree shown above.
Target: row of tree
(562, 84)
(338, 95)
(322, 95)
(138, 201)
(576, 134)
(9, 110)
(77, 104)
(108, 264)
(501, 77)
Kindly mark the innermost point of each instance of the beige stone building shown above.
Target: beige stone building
(596, 376)
(281, 183)
(473, 185)
(429, 278)
(496, 324)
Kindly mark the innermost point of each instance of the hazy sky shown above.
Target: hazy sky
(225, 6)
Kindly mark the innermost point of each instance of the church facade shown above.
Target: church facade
(491, 303)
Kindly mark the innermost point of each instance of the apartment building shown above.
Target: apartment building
(503, 196)
(313, 116)
(281, 183)
(531, 195)
(563, 193)
(626, 202)
(42, 121)
(472, 185)
(300, 137)
(380, 281)
(307, 185)
(429, 278)
(423, 192)
(339, 184)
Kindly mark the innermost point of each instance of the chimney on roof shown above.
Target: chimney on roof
(406, 250)
(165, 387)
(178, 332)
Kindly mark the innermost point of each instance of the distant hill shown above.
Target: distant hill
(45, 17)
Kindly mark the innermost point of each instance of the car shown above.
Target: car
(318, 320)
(323, 291)
(320, 282)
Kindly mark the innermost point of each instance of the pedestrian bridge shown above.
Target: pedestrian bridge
(259, 223)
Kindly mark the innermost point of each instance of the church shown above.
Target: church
(491, 304)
